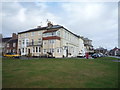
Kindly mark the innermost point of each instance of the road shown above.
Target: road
(114, 57)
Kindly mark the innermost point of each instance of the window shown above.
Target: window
(14, 44)
(49, 50)
(23, 50)
(26, 50)
(44, 50)
(32, 33)
(23, 42)
(39, 33)
(14, 50)
(65, 34)
(58, 33)
(39, 40)
(44, 42)
(19, 42)
(27, 42)
(51, 41)
(33, 49)
(32, 42)
(36, 49)
(39, 49)
(52, 50)
(8, 45)
(53, 33)
(7, 51)
(58, 50)
(68, 36)
(20, 36)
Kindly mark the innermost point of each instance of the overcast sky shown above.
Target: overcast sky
(96, 21)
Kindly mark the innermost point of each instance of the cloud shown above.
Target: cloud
(97, 21)
(19, 17)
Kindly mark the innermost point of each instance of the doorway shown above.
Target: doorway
(28, 51)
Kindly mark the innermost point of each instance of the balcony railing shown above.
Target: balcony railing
(36, 43)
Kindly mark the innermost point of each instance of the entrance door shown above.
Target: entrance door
(19, 51)
(64, 53)
(28, 51)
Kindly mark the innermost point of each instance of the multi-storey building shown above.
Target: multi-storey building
(9, 44)
(88, 47)
(114, 52)
(101, 50)
(52, 40)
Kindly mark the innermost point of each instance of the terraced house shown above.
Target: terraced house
(52, 40)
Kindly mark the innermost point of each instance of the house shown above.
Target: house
(88, 45)
(114, 52)
(9, 44)
(101, 50)
(52, 40)
(4, 42)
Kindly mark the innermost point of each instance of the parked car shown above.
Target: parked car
(96, 55)
(101, 55)
(11, 55)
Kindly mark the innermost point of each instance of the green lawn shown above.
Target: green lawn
(60, 73)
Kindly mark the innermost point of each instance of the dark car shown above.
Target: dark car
(96, 55)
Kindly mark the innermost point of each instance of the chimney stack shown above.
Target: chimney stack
(14, 36)
(38, 26)
(49, 24)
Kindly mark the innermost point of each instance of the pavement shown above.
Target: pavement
(114, 57)
(116, 60)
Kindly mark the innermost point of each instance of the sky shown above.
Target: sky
(97, 21)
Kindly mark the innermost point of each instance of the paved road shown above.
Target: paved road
(114, 57)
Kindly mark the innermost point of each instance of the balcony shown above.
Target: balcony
(36, 43)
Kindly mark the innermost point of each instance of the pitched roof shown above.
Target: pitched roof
(86, 39)
(50, 31)
(6, 39)
(35, 29)
(12, 41)
(47, 28)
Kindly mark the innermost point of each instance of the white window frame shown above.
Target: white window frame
(39, 49)
(36, 49)
(44, 50)
(14, 44)
(23, 42)
(23, 50)
(33, 49)
(8, 44)
(39, 33)
(32, 33)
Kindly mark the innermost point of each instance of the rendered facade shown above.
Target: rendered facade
(50, 41)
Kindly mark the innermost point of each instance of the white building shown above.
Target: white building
(52, 40)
